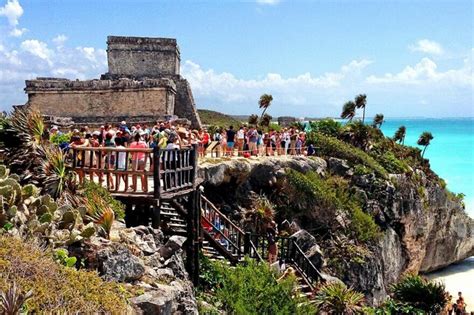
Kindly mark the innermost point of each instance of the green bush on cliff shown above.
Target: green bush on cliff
(252, 288)
(332, 147)
(56, 288)
(420, 293)
(321, 198)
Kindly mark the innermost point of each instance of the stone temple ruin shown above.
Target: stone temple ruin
(142, 85)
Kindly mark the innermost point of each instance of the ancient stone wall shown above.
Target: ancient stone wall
(142, 84)
(104, 99)
(142, 57)
(185, 106)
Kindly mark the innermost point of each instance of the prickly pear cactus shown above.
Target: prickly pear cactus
(24, 212)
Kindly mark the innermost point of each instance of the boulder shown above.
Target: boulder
(151, 303)
(309, 246)
(116, 263)
(174, 244)
(339, 167)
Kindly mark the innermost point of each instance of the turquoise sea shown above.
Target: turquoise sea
(451, 156)
(451, 152)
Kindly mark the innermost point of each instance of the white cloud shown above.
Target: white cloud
(38, 49)
(213, 88)
(268, 2)
(59, 40)
(12, 10)
(427, 46)
(426, 72)
(32, 58)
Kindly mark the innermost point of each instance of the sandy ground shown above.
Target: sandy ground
(459, 277)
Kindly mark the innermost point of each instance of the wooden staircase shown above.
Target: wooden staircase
(221, 239)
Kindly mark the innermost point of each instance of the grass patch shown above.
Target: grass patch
(213, 118)
(332, 147)
(56, 288)
(320, 199)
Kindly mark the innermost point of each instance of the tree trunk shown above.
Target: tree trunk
(423, 153)
(263, 113)
(363, 115)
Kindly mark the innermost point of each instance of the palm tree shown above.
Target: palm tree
(361, 102)
(378, 121)
(265, 102)
(253, 119)
(357, 134)
(266, 120)
(425, 140)
(336, 298)
(400, 135)
(348, 110)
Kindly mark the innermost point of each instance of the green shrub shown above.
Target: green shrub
(92, 190)
(336, 298)
(363, 225)
(60, 138)
(391, 163)
(252, 288)
(332, 147)
(419, 293)
(56, 288)
(320, 199)
(360, 169)
(327, 126)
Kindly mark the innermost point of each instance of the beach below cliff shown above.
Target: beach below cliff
(458, 277)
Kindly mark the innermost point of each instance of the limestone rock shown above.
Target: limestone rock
(118, 264)
(174, 244)
(339, 167)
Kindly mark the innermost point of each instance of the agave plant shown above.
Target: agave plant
(336, 298)
(56, 175)
(420, 293)
(99, 212)
(11, 301)
(22, 135)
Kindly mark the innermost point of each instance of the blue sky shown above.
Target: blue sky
(412, 58)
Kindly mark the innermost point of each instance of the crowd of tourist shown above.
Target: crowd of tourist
(243, 141)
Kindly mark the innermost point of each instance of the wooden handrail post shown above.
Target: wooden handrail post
(247, 236)
(156, 188)
(194, 163)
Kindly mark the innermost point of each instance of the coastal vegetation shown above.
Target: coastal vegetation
(249, 288)
(53, 286)
(213, 118)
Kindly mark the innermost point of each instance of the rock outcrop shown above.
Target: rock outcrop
(424, 226)
(141, 258)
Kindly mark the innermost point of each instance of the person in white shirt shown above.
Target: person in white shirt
(240, 141)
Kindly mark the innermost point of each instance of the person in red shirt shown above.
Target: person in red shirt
(204, 143)
(139, 162)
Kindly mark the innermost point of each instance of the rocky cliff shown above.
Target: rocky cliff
(424, 227)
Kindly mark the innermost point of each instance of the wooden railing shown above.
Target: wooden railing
(290, 252)
(144, 172)
(222, 230)
(234, 243)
